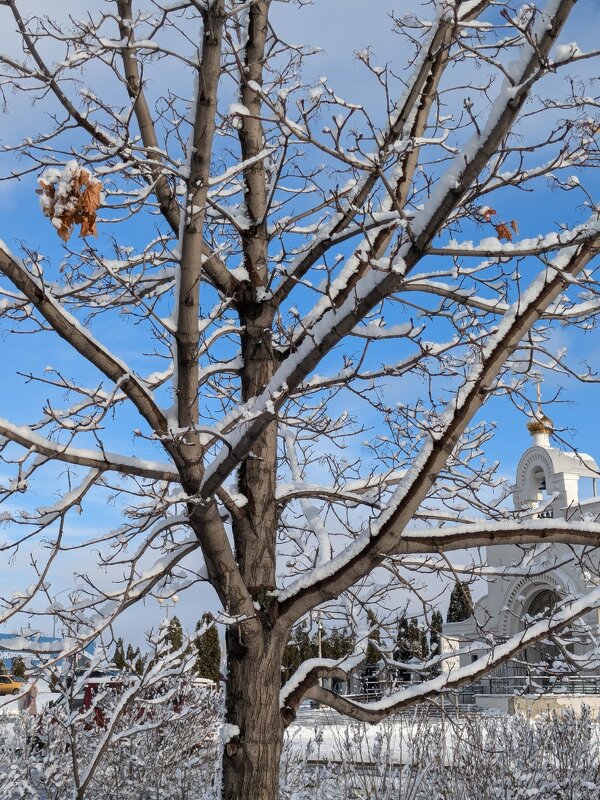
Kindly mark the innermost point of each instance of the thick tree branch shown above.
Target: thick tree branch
(480, 533)
(192, 243)
(434, 54)
(384, 536)
(165, 196)
(69, 329)
(252, 142)
(96, 459)
(216, 270)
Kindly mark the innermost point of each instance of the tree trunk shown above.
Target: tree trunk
(251, 759)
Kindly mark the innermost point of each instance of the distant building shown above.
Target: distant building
(550, 483)
(30, 658)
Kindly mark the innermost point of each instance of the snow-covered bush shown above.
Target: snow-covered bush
(172, 753)
(128, 745)
(555, 757)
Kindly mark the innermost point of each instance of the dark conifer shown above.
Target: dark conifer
(119, 657)
(208, 650)
(461, 603)
(175, 634)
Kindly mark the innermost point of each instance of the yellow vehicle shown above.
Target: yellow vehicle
(9, 685)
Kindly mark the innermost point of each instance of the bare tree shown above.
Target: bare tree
(283, 263)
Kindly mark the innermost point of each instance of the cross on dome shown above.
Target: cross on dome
(540, 426)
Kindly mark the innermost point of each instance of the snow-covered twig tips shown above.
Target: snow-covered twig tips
(70, 197)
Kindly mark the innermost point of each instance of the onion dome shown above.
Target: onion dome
(540, 424)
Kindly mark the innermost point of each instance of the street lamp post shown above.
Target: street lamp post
(168, 602)
(56, 607)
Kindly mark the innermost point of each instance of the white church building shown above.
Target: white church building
(524, 582)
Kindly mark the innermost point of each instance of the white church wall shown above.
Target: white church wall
(450, 646)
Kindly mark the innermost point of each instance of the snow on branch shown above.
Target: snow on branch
(309, 672)
(383, 536)
(311, 513)
(100, 460)
(71, 330)
(438, 39)
(492, 246)
(481, 533)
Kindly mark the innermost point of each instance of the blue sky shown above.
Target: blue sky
(330, 25)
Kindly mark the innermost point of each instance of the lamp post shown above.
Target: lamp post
(168, 602)
(55, 607)
(320, 643)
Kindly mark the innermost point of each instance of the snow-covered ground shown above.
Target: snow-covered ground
(324, 735)
(332, 737)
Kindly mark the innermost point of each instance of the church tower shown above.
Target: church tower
(524, 582)
(550, 483)
(547, 479)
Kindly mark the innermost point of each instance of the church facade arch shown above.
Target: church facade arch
(519, 597)
(535, 474)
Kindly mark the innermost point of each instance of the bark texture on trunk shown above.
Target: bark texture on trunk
(255, 530)
(251, 759)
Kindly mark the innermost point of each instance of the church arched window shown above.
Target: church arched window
(543, 603)
(538, 489)
(538, 485)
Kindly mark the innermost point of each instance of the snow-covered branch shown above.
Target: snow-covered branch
(496, 655)
(96, 459)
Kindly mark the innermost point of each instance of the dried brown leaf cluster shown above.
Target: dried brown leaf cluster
(502, 228)
(503, 231)
(71, 197)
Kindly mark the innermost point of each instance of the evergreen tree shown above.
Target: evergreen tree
(140, 664)
(411, 643)
(299, 648)
(119, 657)
(2, 667)
(424, 644)
(307, 646)
(208, 650)
(373, 654)
(18, 667)
(132, 654)
(336, 643)
(435, 638)
(402, 651)
(175, 634)
(290, 661)
(414, 637)
(370, 680)
(461, 603)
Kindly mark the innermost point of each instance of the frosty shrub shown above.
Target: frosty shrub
(174, 755)
(130, 744)
(478, 758)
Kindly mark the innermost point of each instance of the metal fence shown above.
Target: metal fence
(536, 684)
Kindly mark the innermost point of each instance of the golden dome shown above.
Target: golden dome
(540, 424)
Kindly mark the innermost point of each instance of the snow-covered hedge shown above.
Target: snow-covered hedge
(480, 758)
(172, 754)
(162, 747)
